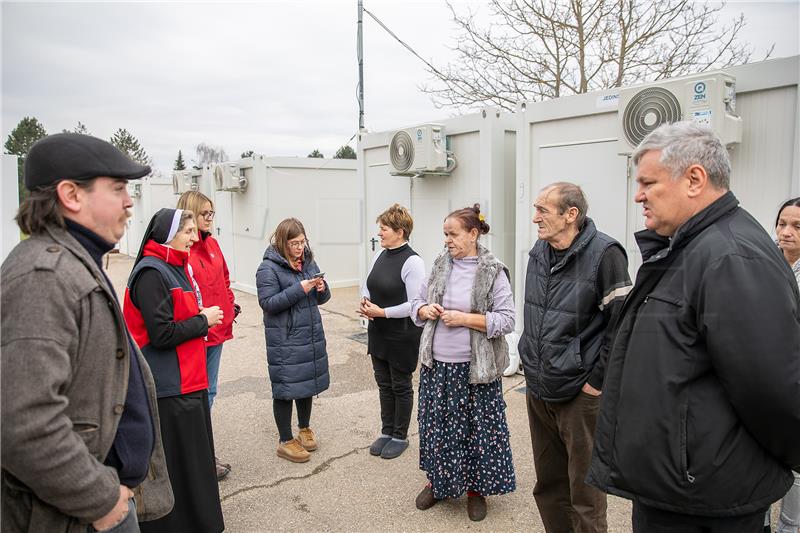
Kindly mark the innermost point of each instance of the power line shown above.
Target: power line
(399, 40)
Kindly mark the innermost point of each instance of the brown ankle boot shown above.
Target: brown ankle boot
(307, 439)
(476, 507)
(293, 451)
(425, 499)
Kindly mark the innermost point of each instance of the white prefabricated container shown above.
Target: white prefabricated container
(324, 194)
(483, 145)
(149, 194)
(580, 139)
(9, 203)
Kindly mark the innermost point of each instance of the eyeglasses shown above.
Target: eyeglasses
(296, 244)
(208, 215)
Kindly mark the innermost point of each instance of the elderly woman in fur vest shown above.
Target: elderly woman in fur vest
(466, 308)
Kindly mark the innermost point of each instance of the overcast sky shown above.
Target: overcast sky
(275, 77)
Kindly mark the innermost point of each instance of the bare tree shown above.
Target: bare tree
(209, 154)
(541, 49)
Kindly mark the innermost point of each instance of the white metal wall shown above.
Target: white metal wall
(484, 145)
(324, 194)
(575, 139)
(156, 193)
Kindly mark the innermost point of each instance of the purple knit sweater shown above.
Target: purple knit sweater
(451, 344)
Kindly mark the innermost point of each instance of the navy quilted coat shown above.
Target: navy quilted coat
(296, 352)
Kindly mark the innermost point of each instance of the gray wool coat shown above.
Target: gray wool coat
(296, 349)
(65, 363)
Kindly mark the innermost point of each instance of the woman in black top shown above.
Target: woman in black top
(394, 277)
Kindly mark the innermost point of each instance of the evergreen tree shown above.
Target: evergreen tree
(248, 153)
(345, 152)
(316, 153)
(129, 145)
(180, 164)
(28, 131)
(80, 128)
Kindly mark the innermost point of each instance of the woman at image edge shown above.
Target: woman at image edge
(787, 229)
(466, 308)
(393, 280)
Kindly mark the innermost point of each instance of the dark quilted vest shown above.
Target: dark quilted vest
(563, 328)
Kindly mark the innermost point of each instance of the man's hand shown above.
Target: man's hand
(591, 391)
(118, 513)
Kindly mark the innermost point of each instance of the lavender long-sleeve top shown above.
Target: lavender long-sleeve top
(451, 344)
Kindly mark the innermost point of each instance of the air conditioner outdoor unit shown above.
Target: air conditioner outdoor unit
(229, 177)
(708, 99)
(186, 180)
(419, 150)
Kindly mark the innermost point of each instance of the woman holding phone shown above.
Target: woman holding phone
(290, 289)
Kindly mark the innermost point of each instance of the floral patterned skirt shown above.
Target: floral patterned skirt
(463, 433)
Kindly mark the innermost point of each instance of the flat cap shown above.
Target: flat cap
(74, 156)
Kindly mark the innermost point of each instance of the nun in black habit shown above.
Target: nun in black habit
(167, 320)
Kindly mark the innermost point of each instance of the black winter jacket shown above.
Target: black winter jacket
(296, 348)
(700, 412)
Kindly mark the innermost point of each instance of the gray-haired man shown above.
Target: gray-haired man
(576, 281)
(80, 435)
(700, 419)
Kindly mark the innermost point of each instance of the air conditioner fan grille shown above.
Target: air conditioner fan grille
(401, 151)
(647, 110)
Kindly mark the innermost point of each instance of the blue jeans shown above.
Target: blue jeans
(213, 354)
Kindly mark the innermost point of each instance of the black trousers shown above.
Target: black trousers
(396, 394)
(648, 519)
(282, 409)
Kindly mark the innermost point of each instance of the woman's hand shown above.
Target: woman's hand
(213, 315)
(309, 284)
(320, 284)
(370, 310)
(454, 319)
(430, 312)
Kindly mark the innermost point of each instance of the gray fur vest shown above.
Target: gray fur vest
(489, 356)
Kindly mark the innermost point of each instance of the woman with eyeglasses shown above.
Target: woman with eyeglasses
(211, 275)
(290, 289)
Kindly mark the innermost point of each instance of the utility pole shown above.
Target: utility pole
(360, 51)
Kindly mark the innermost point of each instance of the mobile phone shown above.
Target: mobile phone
(318, 275)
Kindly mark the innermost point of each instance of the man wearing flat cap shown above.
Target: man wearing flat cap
(81, 447)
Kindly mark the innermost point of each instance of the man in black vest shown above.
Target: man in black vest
(700, 418)
(576, 281)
